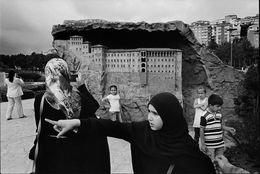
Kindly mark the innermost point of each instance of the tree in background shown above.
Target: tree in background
(34, 61)
(247, 138)
(212, 45)
(243, 54)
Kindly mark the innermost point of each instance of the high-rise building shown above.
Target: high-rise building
(253, 35)
(202, 31)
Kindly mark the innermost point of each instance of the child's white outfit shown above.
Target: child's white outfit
(114, 102)
(199, 112)
(114, 106)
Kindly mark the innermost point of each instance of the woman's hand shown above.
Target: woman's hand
(226, 167)
(63, 126)
(223, 163)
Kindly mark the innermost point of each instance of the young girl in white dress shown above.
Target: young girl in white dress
(200, 105)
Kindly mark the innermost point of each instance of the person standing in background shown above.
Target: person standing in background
(114, 101)
(14, 93)
(200, 105)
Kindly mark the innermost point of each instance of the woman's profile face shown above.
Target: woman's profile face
(155, 121)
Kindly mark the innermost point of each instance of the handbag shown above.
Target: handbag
(37, 138)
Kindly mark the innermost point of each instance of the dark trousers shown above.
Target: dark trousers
(197, 134)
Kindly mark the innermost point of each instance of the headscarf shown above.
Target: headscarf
(172, 141)
(59, 93)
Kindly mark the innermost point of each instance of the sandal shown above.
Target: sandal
(23, 116)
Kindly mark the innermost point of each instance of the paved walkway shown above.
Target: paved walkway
(17, 136)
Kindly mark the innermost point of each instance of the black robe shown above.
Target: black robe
(153, 152)
(74, 154)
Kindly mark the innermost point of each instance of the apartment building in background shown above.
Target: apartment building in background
(253, 35)
(202, 31)
(226, 29)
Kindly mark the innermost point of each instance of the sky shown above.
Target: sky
(25, 25)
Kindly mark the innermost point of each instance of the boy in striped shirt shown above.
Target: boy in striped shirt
(211, 128)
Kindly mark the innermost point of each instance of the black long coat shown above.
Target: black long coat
(142, 160)
(74, 154)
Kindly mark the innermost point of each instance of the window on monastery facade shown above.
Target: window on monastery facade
(118, 66)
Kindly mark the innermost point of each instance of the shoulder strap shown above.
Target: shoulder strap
(171, 167)
(37, 136)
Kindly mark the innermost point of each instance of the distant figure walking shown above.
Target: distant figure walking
(14, 93)
(114, 101)
(200, 105)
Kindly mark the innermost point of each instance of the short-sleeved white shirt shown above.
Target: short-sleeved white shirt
(114, 102)
(14, 89)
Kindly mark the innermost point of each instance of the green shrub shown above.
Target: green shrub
(248, 130)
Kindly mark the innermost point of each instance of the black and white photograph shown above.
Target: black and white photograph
(129, 86)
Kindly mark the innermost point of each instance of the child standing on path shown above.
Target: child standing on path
(211, 130)
(114, 101)
(200, 105)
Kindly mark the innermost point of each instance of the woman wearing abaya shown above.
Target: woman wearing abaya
(159, 145)
(73, 153)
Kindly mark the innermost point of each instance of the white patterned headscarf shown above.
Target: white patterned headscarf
(59, 93)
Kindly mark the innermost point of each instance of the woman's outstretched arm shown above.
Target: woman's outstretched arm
(95, 126)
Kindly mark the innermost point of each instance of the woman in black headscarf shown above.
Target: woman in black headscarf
(159, 145)
(73, 153)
